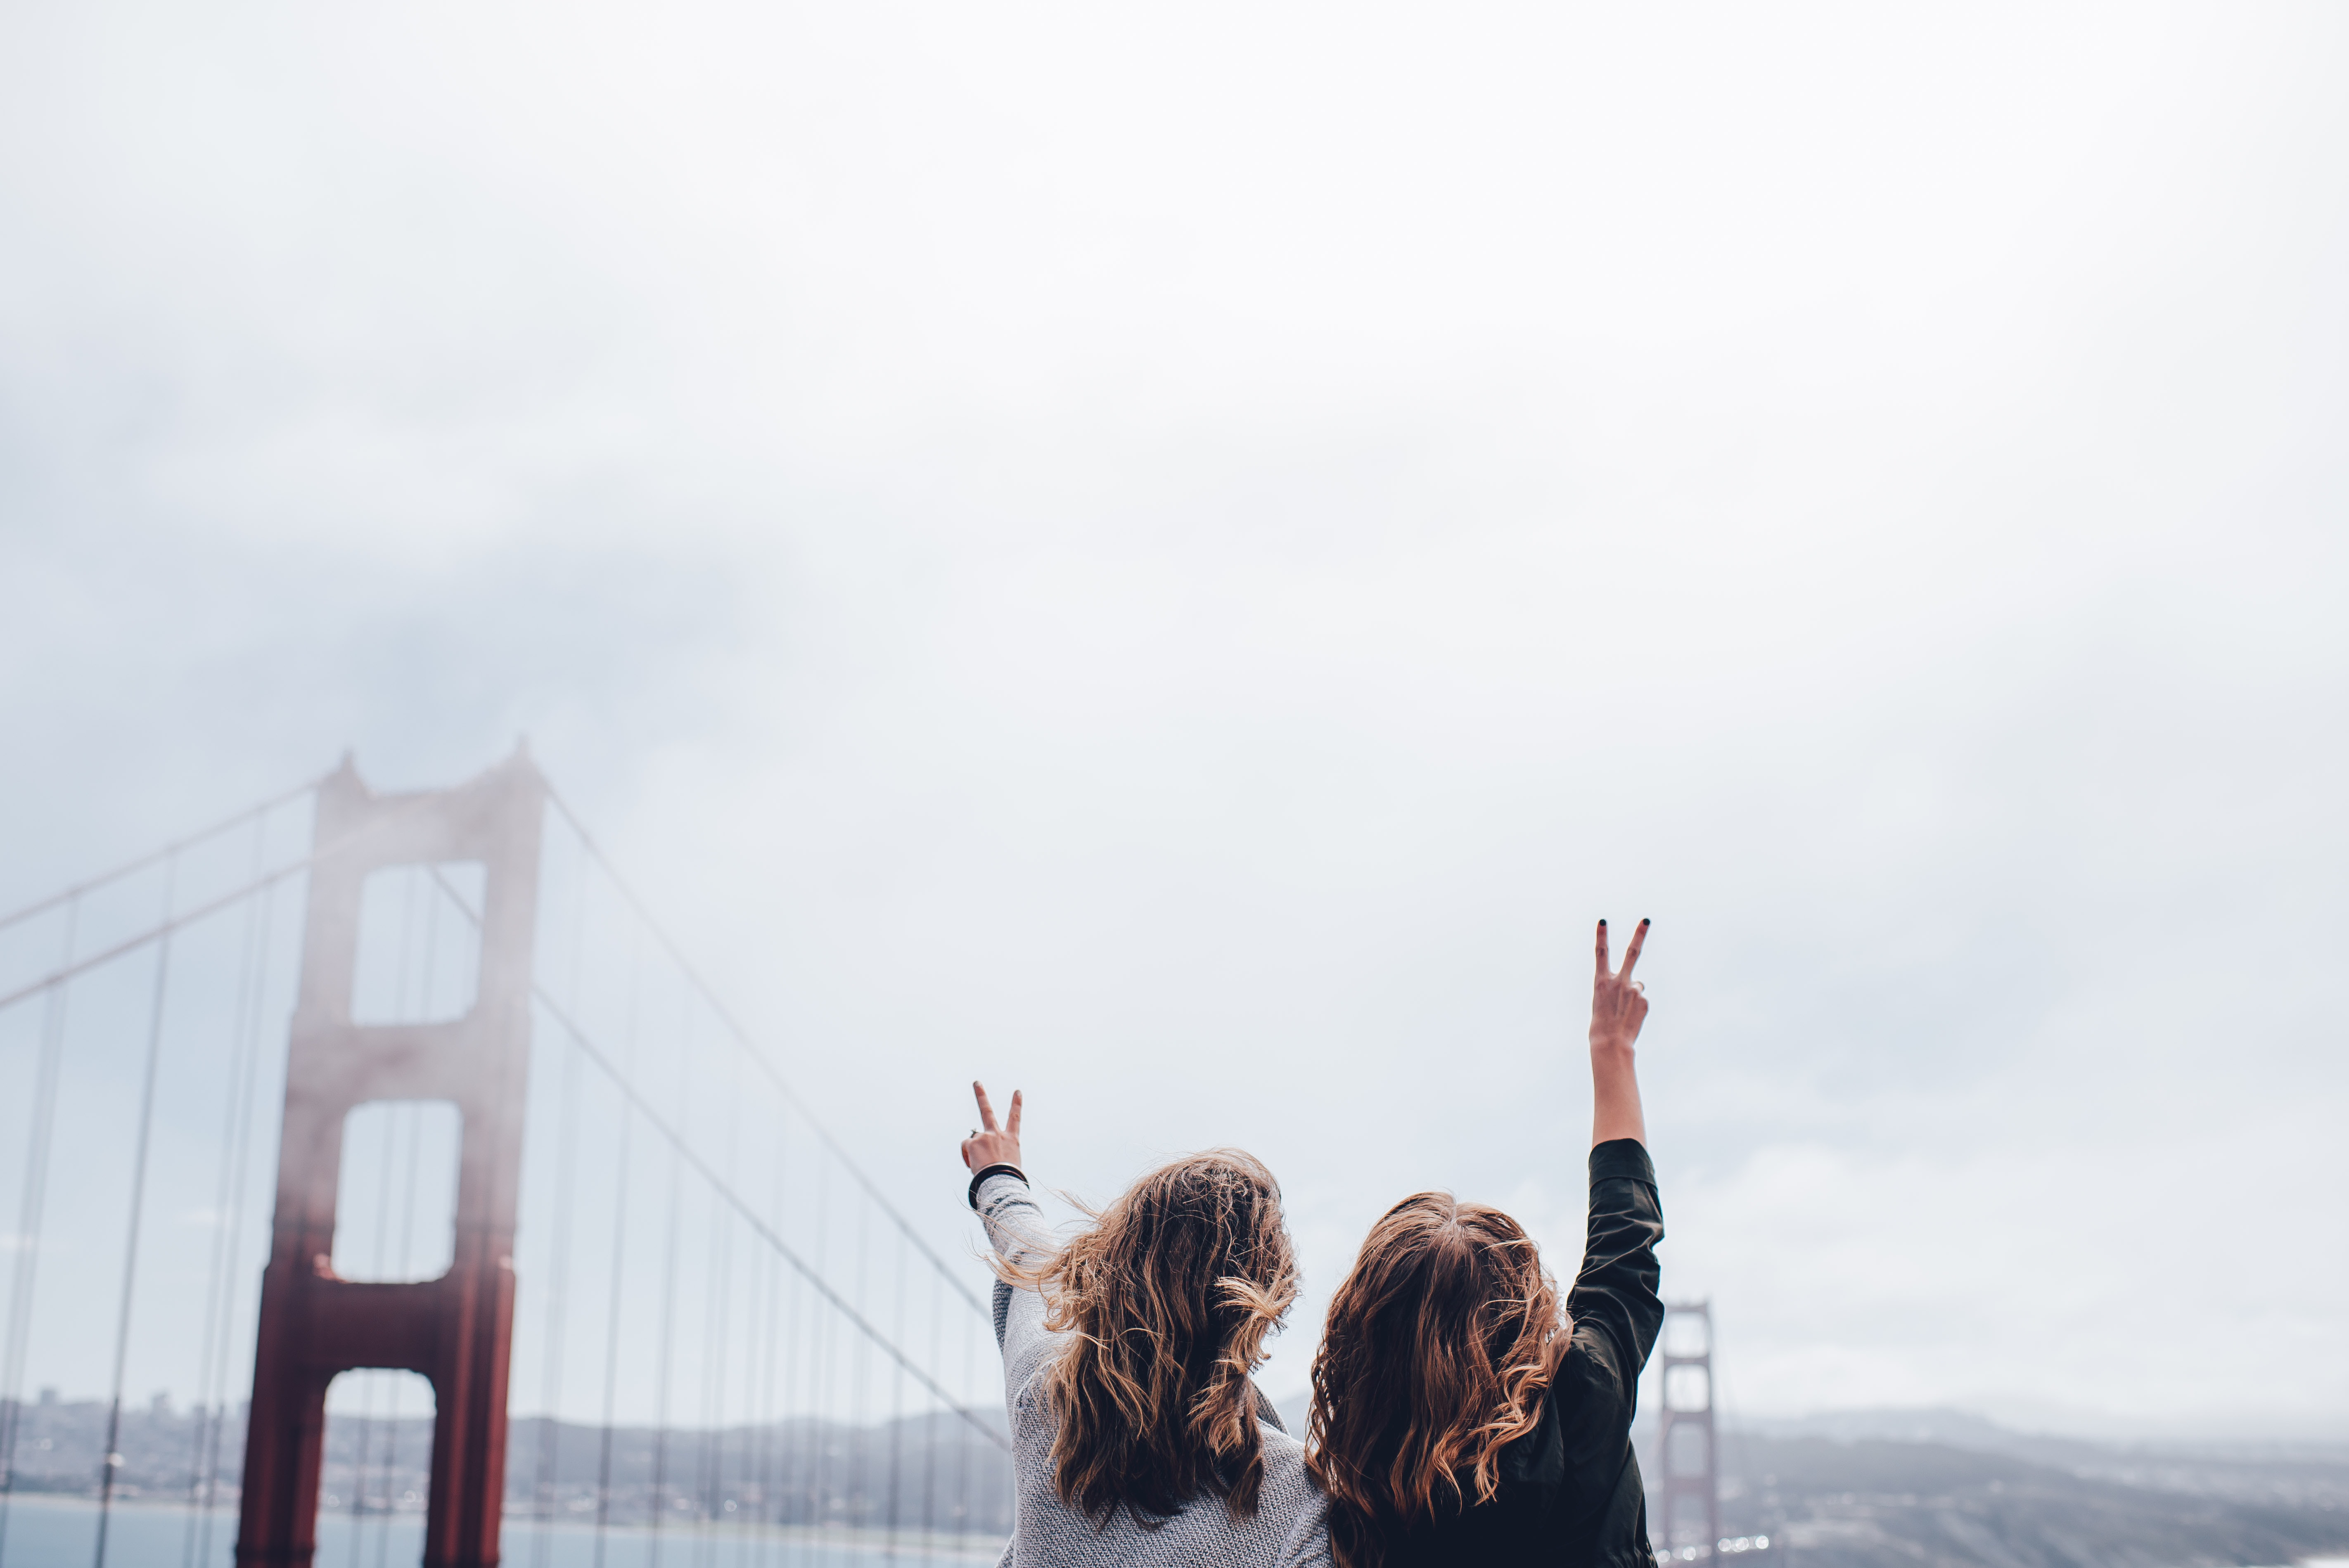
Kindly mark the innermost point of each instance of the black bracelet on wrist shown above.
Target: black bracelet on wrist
(984, 1172)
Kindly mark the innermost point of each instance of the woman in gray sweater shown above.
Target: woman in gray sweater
(1137, 1434)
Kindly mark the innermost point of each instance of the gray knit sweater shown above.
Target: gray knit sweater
(1290, 1528)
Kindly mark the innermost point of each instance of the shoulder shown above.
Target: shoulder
(1281, 1451)
(1290, 1503)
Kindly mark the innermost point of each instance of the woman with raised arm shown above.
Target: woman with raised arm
(1457, 1417)
(1137, 1435)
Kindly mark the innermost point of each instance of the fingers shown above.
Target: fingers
(986, 1110)
(1604, 972)
(1631, 954)
(1013, 1127)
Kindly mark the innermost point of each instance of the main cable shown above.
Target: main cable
(743, 1037)
(740, 1205)
(168, 851)
(72, 968)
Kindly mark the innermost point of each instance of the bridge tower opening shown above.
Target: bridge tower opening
(456, 1330)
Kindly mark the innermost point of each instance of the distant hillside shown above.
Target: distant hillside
(1872, 1501)
(1861, 1493)
(2302, 1474)
(1935, 1488)
(949, 1477)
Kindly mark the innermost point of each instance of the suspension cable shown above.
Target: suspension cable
(109, 1460)
(28, 1229)
(619, 1258)
(224, 1198)
(166, 852)
(550, 1383)
(751, 1217)
(65, 972)
(743, 1206)
(237, 1208)
(743, 1037)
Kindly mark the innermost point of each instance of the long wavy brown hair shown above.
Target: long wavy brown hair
(1438, 1348)
(1167, 1299)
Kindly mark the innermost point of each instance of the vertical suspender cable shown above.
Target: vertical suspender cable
(416, 1005)
(709, 1461)
(549, 1389)
(752, 1444)
(770, 1426)
(712, 1321)
(224, 1199)
(932, 1425)
(897, 1407)
(819, 1365)
(28, 1224)
(778, 1350)
(403, 1008)
(668, 1316)
(719, 1318)
(860, 1455)
(667, 1343)
(111, 1461)
(237, 1206)
(799, 1451)
(380, 1265)
(550, 1383)
(619, 1271)
(962, 1449)
(414, 1114)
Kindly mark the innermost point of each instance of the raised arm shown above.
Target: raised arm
(1619, 1006)
(998, 1191)
(1613, 1307)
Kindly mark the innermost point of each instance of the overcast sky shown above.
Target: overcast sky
(1178, 557)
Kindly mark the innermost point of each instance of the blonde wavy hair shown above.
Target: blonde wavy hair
(1438, 1348)
(1167, 1298)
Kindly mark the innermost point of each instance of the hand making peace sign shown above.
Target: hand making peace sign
(1619, 1004)
(988, 1143)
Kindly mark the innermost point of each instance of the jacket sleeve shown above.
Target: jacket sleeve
(1614, 1305)
(1616, 1315)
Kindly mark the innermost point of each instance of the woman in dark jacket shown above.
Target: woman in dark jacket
(1457, 1417)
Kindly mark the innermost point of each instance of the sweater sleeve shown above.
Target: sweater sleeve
(1015, 1227)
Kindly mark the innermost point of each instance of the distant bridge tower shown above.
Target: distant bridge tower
(1687, 1444)
(456, 1330)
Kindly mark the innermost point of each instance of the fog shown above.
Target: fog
(1176, 561)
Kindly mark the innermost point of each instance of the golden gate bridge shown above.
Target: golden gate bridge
(524, 1152)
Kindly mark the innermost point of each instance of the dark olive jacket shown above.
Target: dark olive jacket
(1570, 1492)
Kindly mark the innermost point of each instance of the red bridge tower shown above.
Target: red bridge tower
(1686, 1438)
(456, 1330)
